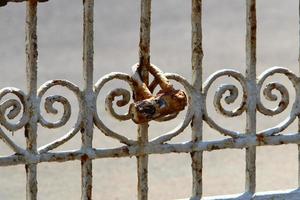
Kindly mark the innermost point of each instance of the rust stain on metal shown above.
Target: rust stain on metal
(260, 139)
(84, 158)
(149, 107)
(126, 150)
(161, 105)
(214, 147)
(281, 142)
(146, 106)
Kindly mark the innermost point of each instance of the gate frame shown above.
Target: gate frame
(142, 147)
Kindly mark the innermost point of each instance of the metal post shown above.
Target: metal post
(31, 71)
(251, 84)
(87, 104)
(142, 164)
(144, 61)
(197, 124)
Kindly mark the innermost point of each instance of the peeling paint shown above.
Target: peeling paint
(146, 106)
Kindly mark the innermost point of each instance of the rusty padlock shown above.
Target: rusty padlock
(147, 106)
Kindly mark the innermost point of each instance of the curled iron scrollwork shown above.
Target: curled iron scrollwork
(267, 91)
(14, 112)
(49, 107)
(10, 109)
(284, 98)
(136, 85)
(15, 107)
(231, 98)
(125, 94)
(109, 105)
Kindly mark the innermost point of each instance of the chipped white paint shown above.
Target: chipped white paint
(144, 62)
(251, 93)
(87, 105)
(33, 109)
(197, 121)
(27, 106)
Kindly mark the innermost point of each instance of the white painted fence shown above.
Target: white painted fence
(147, 106)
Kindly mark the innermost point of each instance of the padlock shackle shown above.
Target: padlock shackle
(141, 90)
(163, 82)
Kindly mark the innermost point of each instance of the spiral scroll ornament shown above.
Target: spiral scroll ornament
(268, 92)
(14, 108)
(231, 98)
(14, 112)
(151, 106)
(49, 107)
(10, 109)
(284, 98)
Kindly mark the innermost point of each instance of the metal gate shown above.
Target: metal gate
(147, 106)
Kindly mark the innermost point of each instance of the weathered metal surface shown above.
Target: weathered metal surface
(228, 99)
(252, 92)
(163, 106)
(136, 150)
(87, 103)
(33, 109)
(26, 106)
(48, 105)
(197, 122)
(144, 62)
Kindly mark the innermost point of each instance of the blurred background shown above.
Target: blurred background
(116, 49)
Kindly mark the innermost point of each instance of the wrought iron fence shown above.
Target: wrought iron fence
(146, 106)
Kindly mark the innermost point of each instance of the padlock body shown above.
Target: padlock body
(163, 104)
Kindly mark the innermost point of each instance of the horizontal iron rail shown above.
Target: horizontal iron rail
(130, 151)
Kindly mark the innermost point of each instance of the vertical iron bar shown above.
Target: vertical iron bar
(142, 164)
(31, 72)
(87, 106)
(251, 83)
(144, 61)
(145, 26)
(197, 124)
